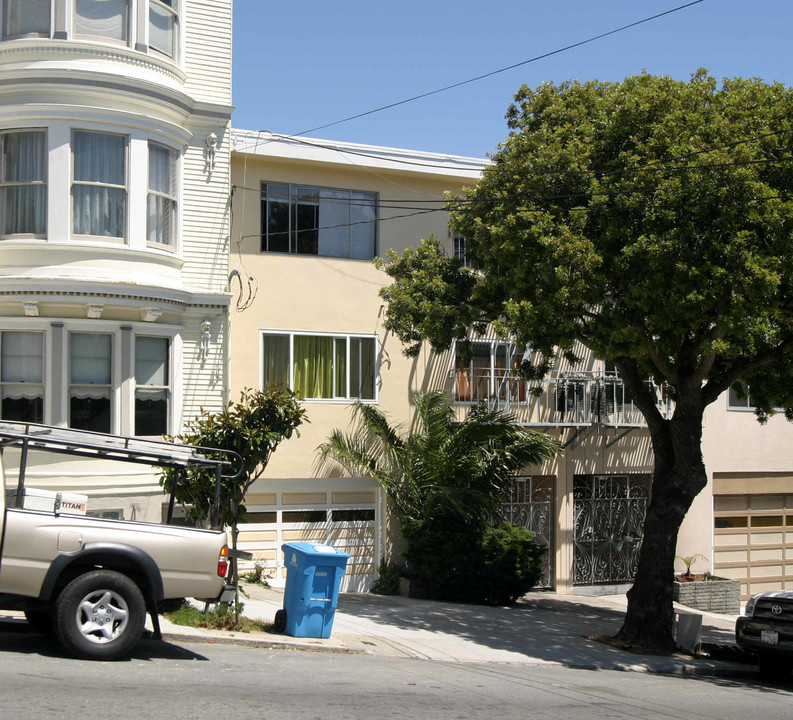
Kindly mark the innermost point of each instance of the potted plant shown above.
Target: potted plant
(706, 591)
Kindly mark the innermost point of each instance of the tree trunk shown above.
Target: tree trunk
(678, 477)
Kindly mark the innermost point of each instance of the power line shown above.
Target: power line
(501, 70)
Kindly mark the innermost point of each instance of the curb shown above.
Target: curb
(724, 669)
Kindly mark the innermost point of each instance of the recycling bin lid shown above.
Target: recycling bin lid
(312, 548)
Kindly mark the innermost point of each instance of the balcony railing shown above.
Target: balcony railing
(575, 400)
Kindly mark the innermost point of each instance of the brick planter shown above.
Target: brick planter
(718, 595)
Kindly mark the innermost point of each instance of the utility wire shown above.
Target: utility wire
(501, 70)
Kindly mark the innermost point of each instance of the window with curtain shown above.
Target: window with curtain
(102, 18)
(26, 18)
(318, 221)
(321, 367)
(90, 390)
(163, 26)
(152, 385)
(99, 193)
(23, 182)
(161, 205)
(22, 376)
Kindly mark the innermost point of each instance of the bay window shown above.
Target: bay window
(99, 190)
(318, 221)
(26, 18)
(152, 389)
(90, 386)
(163, 24)
(161, 204)
(23, 182)
(22, 376)
(102, 18)
(321, 366)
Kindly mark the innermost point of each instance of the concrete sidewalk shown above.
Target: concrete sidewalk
(542, 628)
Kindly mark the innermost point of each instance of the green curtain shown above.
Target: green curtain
(313, 357)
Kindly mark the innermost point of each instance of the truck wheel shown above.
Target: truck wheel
(100, 615)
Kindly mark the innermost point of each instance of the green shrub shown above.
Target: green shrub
(387, 582)
(491, 565)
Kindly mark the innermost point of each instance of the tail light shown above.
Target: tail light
(223, 562)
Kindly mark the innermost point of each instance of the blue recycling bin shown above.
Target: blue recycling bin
(313, 576)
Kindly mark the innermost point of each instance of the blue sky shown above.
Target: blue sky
(301, 65)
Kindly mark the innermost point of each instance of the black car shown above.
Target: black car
(766, 630)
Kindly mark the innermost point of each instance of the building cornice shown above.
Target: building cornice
(354, 155)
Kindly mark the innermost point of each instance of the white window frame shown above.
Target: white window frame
(346, 337)
(28, 183)
(6, 8)
(735, 404)
(296, 191)
(167, 387)
(42, 385)
(171, 198)
(110, 387)
(125, 42)
(95, 183)
(174, 11)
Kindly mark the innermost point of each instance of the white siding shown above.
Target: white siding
(208, 50)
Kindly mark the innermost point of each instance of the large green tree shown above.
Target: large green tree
(649, 221)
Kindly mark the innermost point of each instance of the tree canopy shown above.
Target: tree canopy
(650, 221)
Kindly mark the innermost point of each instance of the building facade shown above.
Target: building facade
(114, 176)
(309, 217)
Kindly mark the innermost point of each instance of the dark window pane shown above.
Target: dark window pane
(259, 517)
(353, 515)
(304, 516)
(151, 412)
(23, 409)
(90, 413)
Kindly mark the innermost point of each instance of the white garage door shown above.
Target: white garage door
(346, 517)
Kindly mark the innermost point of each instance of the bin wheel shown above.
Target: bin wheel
(280, 621)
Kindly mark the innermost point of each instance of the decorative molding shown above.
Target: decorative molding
(130, 57)
(94, 310)
(150, 314)
(180, 304)
(31, 308)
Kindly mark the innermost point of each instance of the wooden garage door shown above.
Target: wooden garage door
(753, 541)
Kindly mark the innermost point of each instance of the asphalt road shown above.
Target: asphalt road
(162, 680)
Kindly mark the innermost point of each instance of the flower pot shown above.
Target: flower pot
(712, 594)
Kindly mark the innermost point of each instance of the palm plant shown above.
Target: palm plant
(445, 480)
(465, 469)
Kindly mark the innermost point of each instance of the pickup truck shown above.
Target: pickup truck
(91, 581)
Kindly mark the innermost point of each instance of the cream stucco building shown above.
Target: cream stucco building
(309, 216)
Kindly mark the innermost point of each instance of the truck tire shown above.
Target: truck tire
(100, 615)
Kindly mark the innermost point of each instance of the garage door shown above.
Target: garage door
(753, 541)
(347, 518)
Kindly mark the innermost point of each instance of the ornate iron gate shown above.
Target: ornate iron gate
(609, 527)
(531, 506)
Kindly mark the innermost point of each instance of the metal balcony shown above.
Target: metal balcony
(574, 400)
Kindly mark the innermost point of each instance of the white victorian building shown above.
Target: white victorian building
(114, 177)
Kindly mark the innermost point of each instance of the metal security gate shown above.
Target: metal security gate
(609, 527)
(532, 506)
